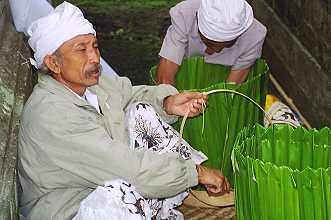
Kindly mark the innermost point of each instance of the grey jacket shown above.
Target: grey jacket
(66, 148)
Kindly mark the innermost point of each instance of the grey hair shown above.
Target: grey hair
(44, 69)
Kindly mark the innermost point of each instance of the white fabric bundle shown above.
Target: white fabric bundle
(48, 33)
(24, 12)
(281, 114)
(116, 200)
(224, 20)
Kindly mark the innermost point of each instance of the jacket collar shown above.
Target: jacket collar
(48, 83)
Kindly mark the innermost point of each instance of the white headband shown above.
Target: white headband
(224, 20)
(48, 33)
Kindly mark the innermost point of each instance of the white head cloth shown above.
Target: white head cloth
(224, 20)
(48, 33)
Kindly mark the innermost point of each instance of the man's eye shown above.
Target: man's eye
(81, 49)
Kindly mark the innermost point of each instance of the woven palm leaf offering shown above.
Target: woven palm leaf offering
(227, 113)
(283, 173)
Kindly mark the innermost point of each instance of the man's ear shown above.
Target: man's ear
(52, 64)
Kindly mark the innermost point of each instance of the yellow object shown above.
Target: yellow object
(269, 100)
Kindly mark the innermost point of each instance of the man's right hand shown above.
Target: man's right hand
(166, 72)
(213, 179)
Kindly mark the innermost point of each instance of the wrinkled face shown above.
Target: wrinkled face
(215, 46)
(78, 63)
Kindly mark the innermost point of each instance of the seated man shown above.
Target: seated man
(73, 135)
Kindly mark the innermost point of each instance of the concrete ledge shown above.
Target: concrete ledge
(295, 68)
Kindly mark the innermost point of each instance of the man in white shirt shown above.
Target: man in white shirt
(223, 31)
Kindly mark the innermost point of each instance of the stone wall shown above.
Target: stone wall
(15, 85)
(298, 50)
(310, 22)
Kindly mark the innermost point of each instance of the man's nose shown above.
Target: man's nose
(94, 56)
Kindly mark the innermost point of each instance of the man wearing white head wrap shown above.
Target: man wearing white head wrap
(224, 20)
(223, 31)
(24, 12)
(48, 33)
(73, 134)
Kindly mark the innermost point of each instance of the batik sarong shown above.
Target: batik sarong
(118, 199)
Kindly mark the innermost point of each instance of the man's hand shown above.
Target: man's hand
(180, 103)
(213, 179)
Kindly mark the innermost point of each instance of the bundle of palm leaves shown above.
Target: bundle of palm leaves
(283, 173)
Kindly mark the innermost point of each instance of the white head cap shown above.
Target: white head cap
(48, 33)
(224, 20)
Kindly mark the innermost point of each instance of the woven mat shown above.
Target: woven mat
(196, 213)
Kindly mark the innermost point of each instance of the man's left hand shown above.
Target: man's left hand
(180, 103)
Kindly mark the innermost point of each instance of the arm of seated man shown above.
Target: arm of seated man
(82, 147)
